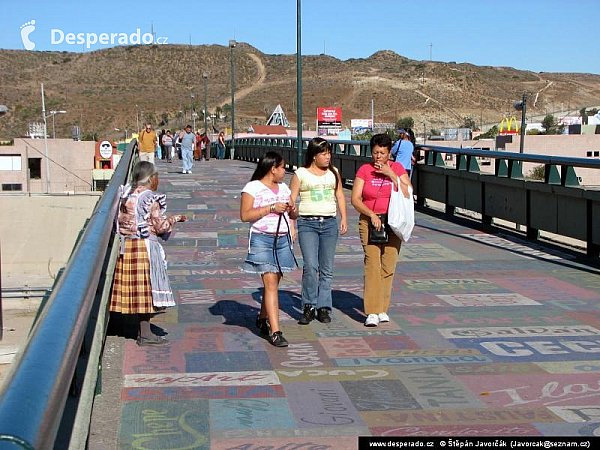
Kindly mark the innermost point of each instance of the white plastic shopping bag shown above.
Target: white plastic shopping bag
(401, 212)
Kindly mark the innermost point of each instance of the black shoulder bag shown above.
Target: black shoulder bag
(380, 236)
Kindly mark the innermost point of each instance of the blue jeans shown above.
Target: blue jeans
(188, 158)
(317, 239)
(220, 151)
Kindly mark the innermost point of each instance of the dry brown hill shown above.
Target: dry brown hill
(100, 89)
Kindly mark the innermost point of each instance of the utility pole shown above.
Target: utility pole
(47, 161)
(232, 44)
(373, 115)
(522, 106)
(192, 111)
(299, 79)
(205, 77)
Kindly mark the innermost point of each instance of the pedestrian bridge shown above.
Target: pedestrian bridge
(492, 332)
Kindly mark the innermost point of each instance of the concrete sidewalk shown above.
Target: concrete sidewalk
(489, 336)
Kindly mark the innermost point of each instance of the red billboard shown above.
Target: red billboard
(329, 121)
(329, 117)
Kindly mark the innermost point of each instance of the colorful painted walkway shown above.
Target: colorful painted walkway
(489, 336)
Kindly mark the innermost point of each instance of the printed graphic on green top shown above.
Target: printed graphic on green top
(321, 193)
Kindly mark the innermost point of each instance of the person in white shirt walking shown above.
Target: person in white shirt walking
(188, 143)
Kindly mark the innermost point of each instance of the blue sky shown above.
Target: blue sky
(536, 35)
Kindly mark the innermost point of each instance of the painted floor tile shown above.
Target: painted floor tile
(489, 335)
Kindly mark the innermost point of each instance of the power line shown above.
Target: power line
(59, 165)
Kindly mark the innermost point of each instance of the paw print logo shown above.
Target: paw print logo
(26, 30)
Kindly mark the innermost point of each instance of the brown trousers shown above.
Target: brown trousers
(380, 266)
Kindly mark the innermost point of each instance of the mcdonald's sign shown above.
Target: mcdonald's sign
(509, 125)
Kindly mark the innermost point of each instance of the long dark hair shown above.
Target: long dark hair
(319, 145)
(266, 163)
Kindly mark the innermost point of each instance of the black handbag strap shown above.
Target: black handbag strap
(277, 238)
(378, 192)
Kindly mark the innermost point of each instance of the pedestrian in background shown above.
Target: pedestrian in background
(147, 144)
(403, 150)
(205, 145)
(158, 152)
(371, 193)
(188, 144)
(221, 146)
(198, 147)
(168, 145)
(177, 140)
(265, 203)
(162, 145)
(141, 284)
(320, 187)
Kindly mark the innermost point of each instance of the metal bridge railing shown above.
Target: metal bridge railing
(509, 165)
(69, 331)
(557, 204)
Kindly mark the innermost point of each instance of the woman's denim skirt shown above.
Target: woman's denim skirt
(263, 258)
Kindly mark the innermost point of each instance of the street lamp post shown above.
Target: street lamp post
(299, 79)
(192, 113)
(53, 113)
(232, 44)
(137, 118)
(45, 143)
(522, 106)
(205, 77)
(125, 130)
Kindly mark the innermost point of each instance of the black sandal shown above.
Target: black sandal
(262, 323)
(278, 340)
(157, 340)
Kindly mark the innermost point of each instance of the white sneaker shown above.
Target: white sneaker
(372, 320)
(383, 317)
(189, 171)
(184, 171)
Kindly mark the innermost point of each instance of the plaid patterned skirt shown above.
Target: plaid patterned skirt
(132, 291)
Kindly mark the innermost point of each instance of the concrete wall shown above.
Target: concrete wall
(570, 146)
(70, 166)
(37, 235)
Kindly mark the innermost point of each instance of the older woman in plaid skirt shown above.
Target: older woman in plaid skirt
(141, 284)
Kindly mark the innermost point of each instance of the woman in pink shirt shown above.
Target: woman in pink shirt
(371, 193)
